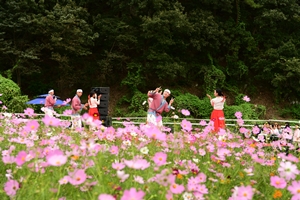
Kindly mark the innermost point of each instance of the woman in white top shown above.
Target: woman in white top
(93, 105)
(217, 115)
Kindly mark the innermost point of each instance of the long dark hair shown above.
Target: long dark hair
(219, 92)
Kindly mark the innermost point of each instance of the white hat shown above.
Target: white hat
(79, 90)
(167, 90)
(50, 91)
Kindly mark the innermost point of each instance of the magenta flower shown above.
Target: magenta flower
(114, 150)
(133, 194)
(118, 166)
(186, 125)
(106, 197)
(246, 98)
(245, 192)
(11, 187)
(185, 112)
(294, 188)
(160, 158)
(7, 159)
(154, 133)
(29, 112)
(238, 115)
(121, 175)
(203, 123)
(278, 182)
(288, 170)
(51, 121)
(255, 130)
(21, 158)
(57, 160)
(67, 112)
(243, 130)
(176, 189)
(32, 125)
(68, 100)
(240, 122)
(137, 164)
(78, 177)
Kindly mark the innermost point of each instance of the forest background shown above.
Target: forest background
(245, 47)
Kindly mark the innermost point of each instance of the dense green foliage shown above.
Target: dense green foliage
(199, 108)
(142, 44)
(11, 96)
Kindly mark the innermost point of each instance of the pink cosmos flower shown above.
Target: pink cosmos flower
(201, 152)
(133, 194)
(29, 112)
(238, 115)
(114, 150)
(202, 189)
(68, 100)
(21, 158)
(294, 188)
(67, 112)
(185, 112)
(64, 180)
(139, 179)
(121, 175)
(203, 123)
(245, 192)
(186, 125)
(243, 130)
(255, 130)
(240, 122)
(261, 138)
(57, 160)
(78, 177)
(32, 125)
(11, 187)
(154, 133)
(176, 189)
(106, 197)
(7, 159)
(160, 158)
(51, 121)
(278, 182)
(118, 166)
(137, 163)
(288, 170)
(246, 98)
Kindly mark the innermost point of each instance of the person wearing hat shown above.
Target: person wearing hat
(76, 109)
(157, 106)
(50, 102)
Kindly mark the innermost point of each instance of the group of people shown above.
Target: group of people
(158, 104)
(76, 105)
(276, 130)
(157, 101)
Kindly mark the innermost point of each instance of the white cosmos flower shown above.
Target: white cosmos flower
(144, 150)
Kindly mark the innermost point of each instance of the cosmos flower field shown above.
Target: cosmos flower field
(44, 159)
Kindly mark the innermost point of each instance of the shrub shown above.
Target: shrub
(11, 95)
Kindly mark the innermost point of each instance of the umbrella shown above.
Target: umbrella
(41, 100)
(45, 95)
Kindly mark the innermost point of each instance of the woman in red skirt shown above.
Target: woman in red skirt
(94, 101)
(217, 115)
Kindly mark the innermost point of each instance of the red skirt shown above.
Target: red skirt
(94, 113)
(217, 116)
